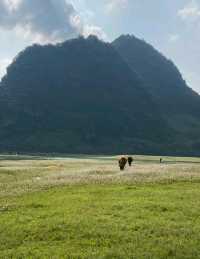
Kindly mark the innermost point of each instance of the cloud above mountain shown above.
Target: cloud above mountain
(44, 21)
(48, 20)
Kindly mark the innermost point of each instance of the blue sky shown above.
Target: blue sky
(172, 26)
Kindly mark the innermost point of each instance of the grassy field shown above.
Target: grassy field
(84, 207)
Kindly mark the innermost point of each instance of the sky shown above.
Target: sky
(171, 26)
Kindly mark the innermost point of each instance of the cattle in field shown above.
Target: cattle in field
(122, 163)
(130, 160)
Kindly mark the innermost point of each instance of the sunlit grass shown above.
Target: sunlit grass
(30, 174)
(85, 207)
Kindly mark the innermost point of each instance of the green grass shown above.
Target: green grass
(87, 208)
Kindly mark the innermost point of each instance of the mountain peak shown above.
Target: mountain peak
(83, 96)
(126, 37)
(149, 63)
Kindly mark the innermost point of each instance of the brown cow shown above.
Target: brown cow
(130, 160)
(122, 162)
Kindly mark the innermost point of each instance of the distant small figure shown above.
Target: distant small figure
(161, 160)
(130, 160)
(122, 163)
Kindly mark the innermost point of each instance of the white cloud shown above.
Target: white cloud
(174, 37)
(94, 30)
(86, 28)
(46, 21)
(115, 5)
(84, 20)
(3, 65)
(12, 5)
(49, 20)
(190, 12)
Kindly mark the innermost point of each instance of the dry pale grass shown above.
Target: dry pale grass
(19, 176)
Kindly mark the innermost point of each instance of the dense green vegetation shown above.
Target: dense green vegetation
(179, 104)
(86, 96)
(84, 207)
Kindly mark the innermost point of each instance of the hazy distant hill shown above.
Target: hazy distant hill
(79, 96)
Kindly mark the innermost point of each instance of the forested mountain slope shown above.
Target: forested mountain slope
(178, 103)
(80, 96)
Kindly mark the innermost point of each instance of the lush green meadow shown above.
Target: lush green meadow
(84, 207)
